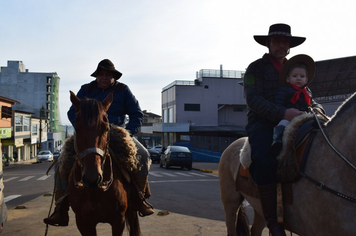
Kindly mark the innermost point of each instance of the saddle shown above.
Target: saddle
(297, 140)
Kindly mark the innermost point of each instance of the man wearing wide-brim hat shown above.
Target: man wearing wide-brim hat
(124, 103)
(261, 81)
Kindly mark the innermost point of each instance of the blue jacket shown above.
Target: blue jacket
(124, 103)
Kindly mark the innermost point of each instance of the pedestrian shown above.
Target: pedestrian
(295, 75)
(261, 82)
(124, 103)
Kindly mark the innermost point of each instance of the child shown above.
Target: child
(294, 93)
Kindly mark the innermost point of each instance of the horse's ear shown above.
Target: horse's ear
(75, 100)
(107, 101)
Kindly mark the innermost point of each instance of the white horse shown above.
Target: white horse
(326, 207)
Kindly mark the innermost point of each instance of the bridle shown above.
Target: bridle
(104, 185)
(321, 185)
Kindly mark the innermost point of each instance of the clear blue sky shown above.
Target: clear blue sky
(155, 42)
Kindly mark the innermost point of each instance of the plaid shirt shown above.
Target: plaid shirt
(260, 85)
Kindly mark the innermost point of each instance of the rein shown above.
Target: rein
(104, 185)
(321, 185)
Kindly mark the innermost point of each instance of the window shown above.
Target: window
(6, 112)
(34, 129)
(191, 107)
(239, 109)
(165, 116)
(26, 123)
(170, 117)
(18, 123)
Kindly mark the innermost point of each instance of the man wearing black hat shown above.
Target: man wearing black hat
(261, 81)
(124, 103)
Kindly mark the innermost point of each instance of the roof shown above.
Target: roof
(335, 79)
(8, 100)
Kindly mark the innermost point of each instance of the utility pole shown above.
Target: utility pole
(40, 142)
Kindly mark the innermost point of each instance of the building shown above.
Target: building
(148, 134)
(6, 125)
(208, 113)
(37, 93)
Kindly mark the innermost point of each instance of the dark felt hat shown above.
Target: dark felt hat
(279, 30)
(302, 59)
(106, 64)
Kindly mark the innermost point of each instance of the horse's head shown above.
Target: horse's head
(91, 137)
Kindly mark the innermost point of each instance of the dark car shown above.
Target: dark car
(177, 156)
(56, 154)
(155, 155)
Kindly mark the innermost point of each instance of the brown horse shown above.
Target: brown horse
(323, 199)
(98, 191)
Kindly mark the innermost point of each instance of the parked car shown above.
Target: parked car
(157, 148)
(3, 207)
(44, 156)
(155, 155)
(176, 156)
(56, 154)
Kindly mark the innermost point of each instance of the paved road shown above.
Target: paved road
(192, 212)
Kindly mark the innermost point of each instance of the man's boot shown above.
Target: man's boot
(268, 198)
(277, 140)
(60, 215)
(145, 208)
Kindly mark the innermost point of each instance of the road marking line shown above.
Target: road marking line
(168, 174)
(155, 174)
(183, 174)
(196, 174)
(44, 177)
(11, 197)
(211, 175)
(9, 179)
(182, 180)
(26, 178)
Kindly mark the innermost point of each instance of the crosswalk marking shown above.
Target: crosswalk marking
(178, 173)
(11, 197)
(196, 174)
(44, 177)
(158, 174)
(155, 174)
(9, 179)
(168, 174)
(26, 178)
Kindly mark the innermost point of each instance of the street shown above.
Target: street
(26, 182)
(191, 199)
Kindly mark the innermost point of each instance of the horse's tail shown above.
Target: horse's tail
(132, 223)
(242, 225)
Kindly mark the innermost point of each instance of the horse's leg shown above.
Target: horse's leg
(118, 226)
(258, 225)
(85, 228)
(231, 200)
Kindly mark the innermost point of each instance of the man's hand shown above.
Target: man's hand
(291, 113)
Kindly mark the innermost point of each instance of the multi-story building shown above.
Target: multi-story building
(6, 125)
(209, 112)
(148, 135)
(37, 93)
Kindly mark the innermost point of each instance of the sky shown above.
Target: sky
(155, 42)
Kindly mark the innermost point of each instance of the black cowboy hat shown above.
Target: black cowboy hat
(106, 64)
(301, 58)
(279, 30)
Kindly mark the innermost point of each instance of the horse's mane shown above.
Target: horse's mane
(90, 110)
(343, 108)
